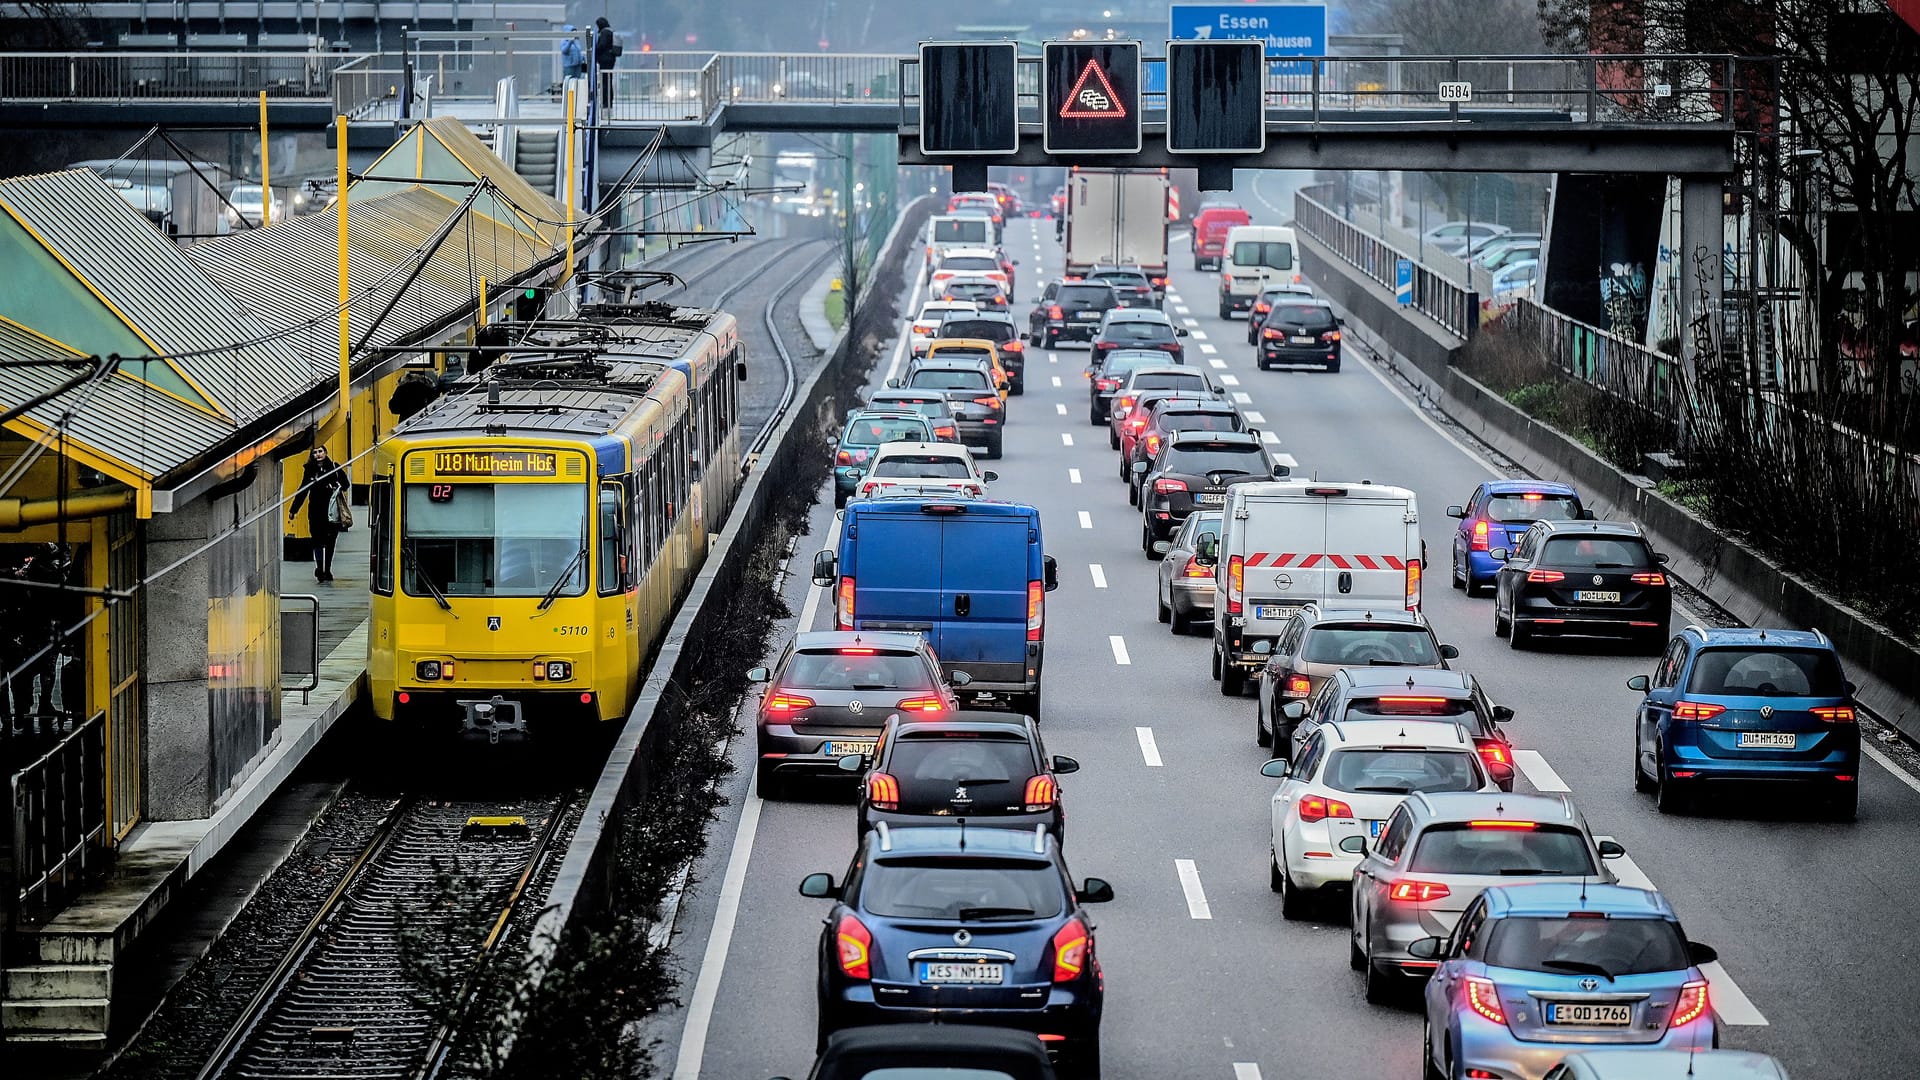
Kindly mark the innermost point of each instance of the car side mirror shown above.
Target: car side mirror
(1337, 321)
(819, 887)
(1039, 299)
(1013, 262)
(1278, 768)
(1611, 849)
(1161, 547)
(1502, 713)
(1353, 845)
(740, 371)
(759, 674)
(1456, 511)
(1263, 647)
(1588, 515)
(1180, 331)
(852, 763)
(1641, 683)
(1499, 554)
(1294, 710)
(1139, 468)
(1660, 556)
(1500, 773)
(1064, 765)
(1426, 948)
(958, 678)
(1449, 652)
(824, 568)
(1050, 572)
(894, 384)
(1094, 891)
(1216, 387)
(1701, 954)
(990, 476)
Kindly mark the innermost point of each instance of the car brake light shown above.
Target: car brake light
(1040, 793)
(1484, 998)
(1413, 584)
(1168, 485)
(883, 791)
(1195, 570)
(944, 433)
(1136, 423)
(1070, 951)
(1479, 541)
(1107, 384)
(1054, 312)
(1331, 335)
(991, 399)
(1171, 346)
(1236, 583)
(1271, 334)
(1503, 823)
(1159, 282)
(1402, 699)
(858, 652)
(921, 704)
(1834, 714)
(1102, 346)
(1153, 445)
(1545, 576)
(1494, 753)
(1649, 579)
(1418, 892)
(1317, 808)
(1298, 686)
(843, 607)
(1036, 608)
(1697, 710)
(856, 948)
(778, 702)
(1262, 309)
(1692, 1004)
(1013, 346)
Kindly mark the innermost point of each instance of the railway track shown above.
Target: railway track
(341, 1004)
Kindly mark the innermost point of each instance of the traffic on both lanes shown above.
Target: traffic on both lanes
(1332, 752)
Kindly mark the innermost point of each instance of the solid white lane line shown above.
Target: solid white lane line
(1073, 476)
(1060, 407)
(1149, 750)
(1255, 417)
(1056, 380)
(1888, 764)
(1099, 575)
(1190, 884)
(1270, 438)
(1209, 350)
(1538, 772)
(1241, 397)
(1245, 1070)
(1191, 322)
(1198, 335)
(1119, 650)
(1066, 438)
(1229, 380)
(1729, 1002)
(1086, 520)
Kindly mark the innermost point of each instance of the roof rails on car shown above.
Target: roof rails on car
(885, 834)
(1039, 839)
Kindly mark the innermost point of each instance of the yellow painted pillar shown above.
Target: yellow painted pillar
(266, 172)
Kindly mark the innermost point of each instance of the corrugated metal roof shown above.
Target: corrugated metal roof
(474, 154)
(155, 290)
(120, 418)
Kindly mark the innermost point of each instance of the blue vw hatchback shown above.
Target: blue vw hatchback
(1497, 517)
(1747, 705)
(1532, 973)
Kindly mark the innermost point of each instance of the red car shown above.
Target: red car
(1210, 228)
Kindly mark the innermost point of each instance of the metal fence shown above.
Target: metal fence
(1453, 306)
(300, 643)
(59, 816)
(174, 76)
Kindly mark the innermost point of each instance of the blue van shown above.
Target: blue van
(970, 575)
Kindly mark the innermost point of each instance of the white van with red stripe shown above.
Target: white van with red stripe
(1296, 542)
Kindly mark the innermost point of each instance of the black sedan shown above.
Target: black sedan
(1191, 473)
(1133, 328)
(1166, 415)
(999, 328)
(1300, 332)
(1582, 577)
(988, 767)
(1069, 311)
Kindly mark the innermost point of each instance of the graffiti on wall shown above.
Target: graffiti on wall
(1623, 296)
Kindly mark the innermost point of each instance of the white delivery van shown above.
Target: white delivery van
(1257, 257)
(945, 233)
(1295, 542)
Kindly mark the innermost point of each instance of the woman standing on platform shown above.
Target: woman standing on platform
(322, 483)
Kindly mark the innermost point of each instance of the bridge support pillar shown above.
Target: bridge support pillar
(1702, 241)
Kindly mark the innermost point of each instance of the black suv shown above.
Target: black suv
(1070, 311)
(1163, 412)
(1387, 693)
(1191, 473)
(1299, 331)
(1107, 375)
(988, 767)
(1582, 577)
(999, 328)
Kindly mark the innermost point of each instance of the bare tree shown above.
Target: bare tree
(1438, 27)
(40, 24)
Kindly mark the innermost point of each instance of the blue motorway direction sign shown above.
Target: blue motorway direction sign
(1287, 29)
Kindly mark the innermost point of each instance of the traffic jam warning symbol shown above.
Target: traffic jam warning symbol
(1092, 102)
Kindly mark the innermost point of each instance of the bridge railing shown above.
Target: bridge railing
(59, 816)
(1453, 306)
(146, 76)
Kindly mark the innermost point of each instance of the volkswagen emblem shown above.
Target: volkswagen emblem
(493, 622)
(1598, 580)
(961, 937)
(1766, 712)
(1283, 581)
(855, 707)
(1589, 984)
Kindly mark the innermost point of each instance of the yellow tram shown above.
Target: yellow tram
(535, 528)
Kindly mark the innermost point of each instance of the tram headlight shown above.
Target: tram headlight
(552, 670)
(427, 671)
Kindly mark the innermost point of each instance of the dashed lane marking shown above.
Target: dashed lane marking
(1245, 1070)
(1190, 884)
(1060, 407)
(1119, 650)
(1183, 309)
(1191, 322)
(1099, 575)
(1066, 438)
(1073, 476)
(1270, 438)
(1149, 750)
(1216, 362)
(1241, 397)
(1209, 350)
(1198, 335)
(1255, 417)
(1086, 520)
(1730, 1003)
(1229, 380)
(1056, 380)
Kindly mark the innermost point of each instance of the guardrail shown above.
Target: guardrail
(1453, 306)
(300, 642)
(59, 815)
(1637, 375)
(174, 76)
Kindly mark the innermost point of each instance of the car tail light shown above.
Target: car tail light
(1171, 346)
(1479, 541)
(1159, 282)
(1193, 569)
(1054, 312)
(856, 948)
(990, 399)
(1834, 714)
(883, 791)
(1041, 791)
(1103, 346)
(1271, 334)
(1494, 753)
(923, 331)
(1545, 576)
(1136, 423)
(1121, 405)
(1168, 486)
(1649, 579)
(995, 275)
(1297, 686)
(1262, 309)
(870, 487)
(1331, 335)
(1319, 808)
(783, 703)
(856, 456)
(945, 433)
(1036, 608)
(1413, 584)
(1106, 384)
(921, 704)
(1418, 892)
(942, 275)
(1692, 1004)
(1070, 944)
(1015, 345)
(1153, 445)
(1697, 710)
(843, 606)
(1484, 998)
(1236, 583)
(1503, 823)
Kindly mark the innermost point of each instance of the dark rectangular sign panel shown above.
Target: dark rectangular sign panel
(968, 98)
(1216, 97)
(1092, 103)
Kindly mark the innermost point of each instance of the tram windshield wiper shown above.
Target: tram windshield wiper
(553, 591)
(420, 575)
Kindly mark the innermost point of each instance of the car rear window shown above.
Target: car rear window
(923, 406)
(1767, 672)
(1302, 314)
(1249, 460)
(1121, 363)
(839, 669)
(937, 887)
(969, 262)
(942, 379)
(926, 466)
(1501, 850)
(1085, 296)
(973, 290)
(1532, 506)
(993, 768)
(1168, 380)
(956, 232)
(1139, 331)
(1361, 645)
(1274, 254)
(989, 329)
(1587, 946)
(872, 431)
(1119, 277)
(1200, 421)
(968, 353)
(1400, 771)
(1596, 552)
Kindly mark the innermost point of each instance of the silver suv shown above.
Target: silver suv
(1437, 852)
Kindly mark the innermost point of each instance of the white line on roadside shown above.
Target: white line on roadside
(1099, 575)
(1190, 884)
(1119, 650)
(1086, 520)
(1730, 1003)
(1245, 1070)
(1149, 750)
(1478, 458)
(1060, 407)
(1209, 350)
(1241, 397)
(1255, 417)
(1066, 438)
(1073, 476)
(1538, 772)
(1229, 380)
(1270, 438)
(1191, 322)
(1198, 335)
(1056, 380)
(1216, 363)
(906, 330)
(1888, 764)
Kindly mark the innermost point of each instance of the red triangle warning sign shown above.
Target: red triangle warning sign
(1092, 102)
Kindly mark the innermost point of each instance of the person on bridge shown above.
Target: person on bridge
(605, 51)
(573, 58)
(321, 481)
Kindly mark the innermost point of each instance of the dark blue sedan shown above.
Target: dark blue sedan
(1496, 517)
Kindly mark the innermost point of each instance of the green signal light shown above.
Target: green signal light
(532, 294)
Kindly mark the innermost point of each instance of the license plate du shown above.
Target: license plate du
(841, 749)
(1087, 314)
(1774, 740)
(1373, 829)
(1589, 1015)
(1591, 596)
(1299, 340)
(976, 974)
(1211, 498)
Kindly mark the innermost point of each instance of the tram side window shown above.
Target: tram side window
(381, 508)
(613, 552)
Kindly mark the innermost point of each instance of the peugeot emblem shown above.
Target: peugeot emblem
(1766, 712)
(493, 622)
(960, 795)
(855, 707)
(1589, 984)
(1598, 580)
(1283, 581)
(961, 937)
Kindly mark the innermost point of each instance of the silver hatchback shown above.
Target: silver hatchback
(1437, 852)
(1183, 591)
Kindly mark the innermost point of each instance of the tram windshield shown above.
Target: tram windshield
(494, 539)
